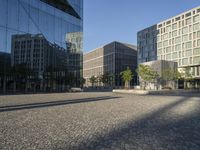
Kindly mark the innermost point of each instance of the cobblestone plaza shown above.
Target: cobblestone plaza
(99, 121)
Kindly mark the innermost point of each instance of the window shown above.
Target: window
(196, 60)
(196, 51)
(174, 55)
(185, 61)
(165, 36)
(185, 30)
(185, 38)
(178, 47)
(178, 18)
(190, 36)
(159, 38)
(198, 42)
(174, 33)
(188, 14)
(194, 35)
(196, 18)
(188, 21)
(174, 26)
(168, 49)
(159, 44)
(159, 51)
(196, 27)
(198, 34)
(188, 45)
(168, 56)
(189, 53)
(168, 28)
(165, 43)
(168, 22)
(177, 40)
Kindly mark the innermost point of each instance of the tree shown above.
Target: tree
(82, 81)
(187, 76)
(127, 76)
(93, 80)
(170, 75)
(105, 79)
(147, 74)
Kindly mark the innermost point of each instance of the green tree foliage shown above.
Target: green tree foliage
(106, 79)
(82, 81)
(127, 76)
(146, 73)
(171, 74)
(188, 77)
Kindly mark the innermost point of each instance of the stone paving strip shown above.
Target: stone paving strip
(99, 121)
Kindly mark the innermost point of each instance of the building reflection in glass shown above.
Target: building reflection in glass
(34, 53)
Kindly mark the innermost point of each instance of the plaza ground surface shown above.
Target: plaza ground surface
(99, 121)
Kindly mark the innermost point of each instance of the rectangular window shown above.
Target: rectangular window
(178, 47)
(185, 38)
(185, 61)
(189, 53)
(196, 27)
(196, 60)
(198, 42)
(196, 18)
(168, 56)
(165, 43)
(174, 26)
(198, 34)
(168, 28)
(159, 51)
(159, 44)
(174, 33)
(185, 30)
(165, 36)
(168, 49)
(177, 40)
(159, 38)
(188, 14)
(196, 51)
(188, 21)
(174, 55)
(188, 45)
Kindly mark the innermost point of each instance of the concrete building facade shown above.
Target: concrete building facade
(112, 59)
(176, 39)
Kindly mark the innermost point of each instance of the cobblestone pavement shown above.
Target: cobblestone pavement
(99, 121)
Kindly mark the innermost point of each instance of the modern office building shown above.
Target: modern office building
(49, 20)
(175, 39)
(110, 59)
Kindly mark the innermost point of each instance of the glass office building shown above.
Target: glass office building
(33, 33)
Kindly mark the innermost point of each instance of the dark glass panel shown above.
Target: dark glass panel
(13, 14)
(3, 13)
(2, 39)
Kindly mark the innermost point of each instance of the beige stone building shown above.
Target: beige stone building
(112, 59)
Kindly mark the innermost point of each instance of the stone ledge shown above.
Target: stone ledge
(154, 92)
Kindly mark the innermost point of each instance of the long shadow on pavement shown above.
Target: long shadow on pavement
(154, 131)
(54, 103)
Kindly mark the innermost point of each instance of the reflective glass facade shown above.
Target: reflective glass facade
(49, 20)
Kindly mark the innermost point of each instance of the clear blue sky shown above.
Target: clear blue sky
(119, 20)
